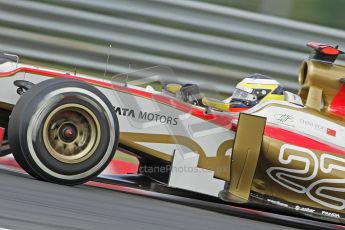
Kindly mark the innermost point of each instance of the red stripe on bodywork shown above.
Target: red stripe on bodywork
(121, 167)
(215, 117)
(2, 131)
(299, 140)
(338, 103)
(225, 120)
(237, 110)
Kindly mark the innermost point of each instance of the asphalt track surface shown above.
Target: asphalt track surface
(26, 203)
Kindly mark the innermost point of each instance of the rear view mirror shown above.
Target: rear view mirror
(293, 98)
(215, 104)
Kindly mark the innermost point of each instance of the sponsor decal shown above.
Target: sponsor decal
(305, 123)
(315, 126)
(158, 118)
(146, 116)
(289, 120)
(124, 112)
(304, 209)
(284, 119)
(318, 127)
(276, 202)
(330, 214)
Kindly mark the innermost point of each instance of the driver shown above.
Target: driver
(253, 89)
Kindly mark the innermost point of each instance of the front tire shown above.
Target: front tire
(63, 131)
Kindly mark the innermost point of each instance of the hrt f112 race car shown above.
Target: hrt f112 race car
(65, 128)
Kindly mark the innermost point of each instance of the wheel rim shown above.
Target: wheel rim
(71, 133)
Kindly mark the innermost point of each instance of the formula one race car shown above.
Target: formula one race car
(289, 154)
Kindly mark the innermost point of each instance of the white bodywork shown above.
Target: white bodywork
(142, 115)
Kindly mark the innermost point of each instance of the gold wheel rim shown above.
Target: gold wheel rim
(71, 133)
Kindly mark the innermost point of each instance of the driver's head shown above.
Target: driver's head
(253, 89)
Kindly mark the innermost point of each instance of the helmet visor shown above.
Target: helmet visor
(242, 95)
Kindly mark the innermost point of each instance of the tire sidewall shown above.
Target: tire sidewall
(34, 109)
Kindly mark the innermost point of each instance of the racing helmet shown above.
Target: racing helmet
(253, 89)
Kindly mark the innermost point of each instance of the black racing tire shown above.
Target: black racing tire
(63, 131)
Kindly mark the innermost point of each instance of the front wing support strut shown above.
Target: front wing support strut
(244, 158)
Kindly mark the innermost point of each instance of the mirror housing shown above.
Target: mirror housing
(216, 104)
